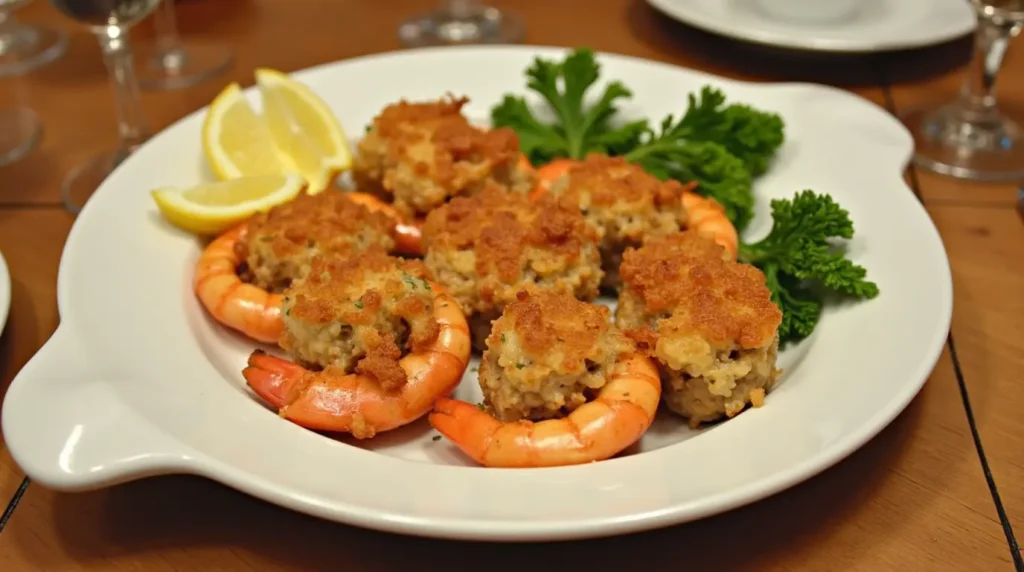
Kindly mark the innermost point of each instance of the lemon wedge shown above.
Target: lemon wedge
(211, 208)
(237, 142)
(304, 129)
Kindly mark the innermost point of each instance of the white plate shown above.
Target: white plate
(138, 381)
(878, 25)
(5, 293)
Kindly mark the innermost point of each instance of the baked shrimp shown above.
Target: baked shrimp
(487, 247)
(562, 386)
(240, 275)
(627, 205)
(709, 323)
(416, 156)
(374, 343)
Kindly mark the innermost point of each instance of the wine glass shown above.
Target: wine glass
(174, 63)
(970, 137)
(461, 22)
(20, 132)
(25, 47)
(110, 21)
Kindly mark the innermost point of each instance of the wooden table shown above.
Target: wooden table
(915, 498)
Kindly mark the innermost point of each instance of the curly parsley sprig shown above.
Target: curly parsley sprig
(578, 129)
(799, 260)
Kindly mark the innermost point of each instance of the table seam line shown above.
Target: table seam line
(13, 503)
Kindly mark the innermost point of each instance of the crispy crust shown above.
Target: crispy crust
(358, 312)
(613, 187)
(280, 243)
(687, 275)
(624, 203)
(487, 247)
(709, 322)
(421, 154)
(546, 354)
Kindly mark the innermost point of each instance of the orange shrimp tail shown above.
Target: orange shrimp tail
(465, 425)
(408, 235)
(549, 173)
(707, 217)
(272, 378)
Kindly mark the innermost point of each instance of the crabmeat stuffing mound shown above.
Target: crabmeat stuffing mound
(710, 324)
(486, 248)
(419, 155)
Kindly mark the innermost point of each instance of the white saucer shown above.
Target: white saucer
(879, 25)
(5, 292)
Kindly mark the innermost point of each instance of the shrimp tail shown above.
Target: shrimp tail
(465, 425)
(272, 378)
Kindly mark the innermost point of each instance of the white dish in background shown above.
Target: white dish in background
(876, 25)
(5, 293)
(139, 381)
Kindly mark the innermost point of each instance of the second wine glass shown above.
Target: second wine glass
(172, 63)
(462, 22)
(971, 137)
(109, 20)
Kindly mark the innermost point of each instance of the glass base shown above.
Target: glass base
(84, 179)
(980, 146)
(485, 25)
(187, 65)
(24, 48)
(20, 133)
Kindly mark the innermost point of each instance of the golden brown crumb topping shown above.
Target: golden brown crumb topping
(280, 242)
(435, 137)
(605, 181)
(688, 275)
(395, 118)
(548, 322)
(501, 227)
(359, 311)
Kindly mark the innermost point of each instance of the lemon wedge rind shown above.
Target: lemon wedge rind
(211, 208)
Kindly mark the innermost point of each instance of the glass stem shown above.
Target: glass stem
(165, 21)
(117, 54)
(11, 31)
(460, 8)
(978, 95)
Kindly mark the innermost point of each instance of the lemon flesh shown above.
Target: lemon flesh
(303, 128)
(212, 208)
(237, 142)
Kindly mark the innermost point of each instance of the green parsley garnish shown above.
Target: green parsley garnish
(578, 130)
(722, 147)
(799, 262)
(435, 438)
(359, 304)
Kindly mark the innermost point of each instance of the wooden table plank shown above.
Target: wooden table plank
(914, 496)
(984, 246)
(31, 242)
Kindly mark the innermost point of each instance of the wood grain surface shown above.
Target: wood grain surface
(914, 498)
